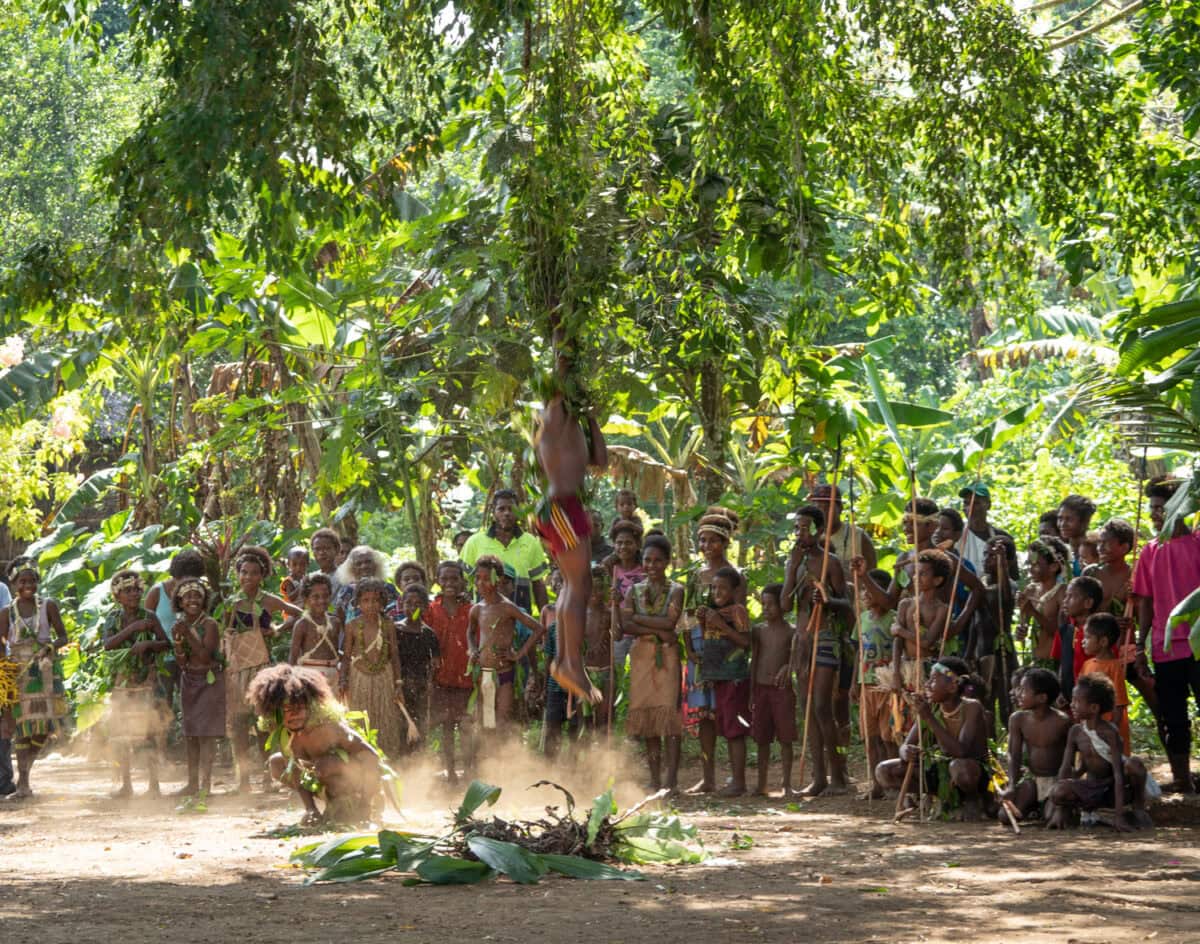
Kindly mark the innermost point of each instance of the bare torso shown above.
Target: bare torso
(773, 651)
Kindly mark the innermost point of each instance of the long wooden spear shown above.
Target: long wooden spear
(862, 660)
(814, 618)
(1137, 534)
(912, 471)
(962, 547)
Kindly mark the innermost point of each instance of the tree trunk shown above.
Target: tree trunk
(714, 419)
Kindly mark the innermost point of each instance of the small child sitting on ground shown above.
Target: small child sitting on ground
(1039, 730)
(1103, 778)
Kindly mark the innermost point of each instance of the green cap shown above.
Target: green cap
(977, 489)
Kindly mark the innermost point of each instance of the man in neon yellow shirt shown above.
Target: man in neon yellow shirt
(516, 547)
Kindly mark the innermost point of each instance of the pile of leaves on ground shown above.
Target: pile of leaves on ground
(524, 850)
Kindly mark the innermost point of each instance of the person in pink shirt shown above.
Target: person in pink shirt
(1167, 572)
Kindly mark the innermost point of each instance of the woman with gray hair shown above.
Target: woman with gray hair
(363, 562)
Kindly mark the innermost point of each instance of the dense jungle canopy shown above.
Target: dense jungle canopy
(272, 264)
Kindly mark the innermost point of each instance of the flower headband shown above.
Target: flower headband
(119, 585)
(190, 585)
(909, 518)
(23, 566)
(944, 670)
(1046, 552)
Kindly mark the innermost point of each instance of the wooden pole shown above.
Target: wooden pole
(912, 471)
(612, 672)
(962, 546)
(813, 628)
(1137, 534)
(862, 662)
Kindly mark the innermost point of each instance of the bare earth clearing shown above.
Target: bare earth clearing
(78, 866)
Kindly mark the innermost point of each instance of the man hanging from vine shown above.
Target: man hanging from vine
(567, 441)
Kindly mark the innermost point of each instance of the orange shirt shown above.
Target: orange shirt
(452, 641)
(1115, 670)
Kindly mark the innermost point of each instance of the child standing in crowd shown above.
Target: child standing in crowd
(774, 711)
(1041, 599)
(297, 567)
(725, 665)
(1037, 737)
(371, 676)
(247, 633)
(326, 546)
(650, 613)
(1074, 517)
(417, 649)
(448, 616)
(714, 535)
(202, 682)
(491, 635)
(598, 646)
(1101, 636)
(316, 634)
(137, 719)
(33, 630)
(875, 639)
(409, 573)
(1081, 600)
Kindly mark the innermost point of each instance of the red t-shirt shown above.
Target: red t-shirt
(451, 635)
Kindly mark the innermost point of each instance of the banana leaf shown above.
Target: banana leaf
(448, 870)
(518, 864)
(319, 855)
(602, 807)
(354, 868)
(578, 867)
(881, 402)
(406, 850)
(1187, 611)
(478, 793)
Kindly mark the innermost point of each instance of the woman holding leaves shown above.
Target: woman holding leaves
(650, 613)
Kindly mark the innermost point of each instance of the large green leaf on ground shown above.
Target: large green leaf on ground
(517, 863)
(478, 793)
(578, 867)
(448, 870)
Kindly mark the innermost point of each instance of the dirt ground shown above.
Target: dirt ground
(78, 866)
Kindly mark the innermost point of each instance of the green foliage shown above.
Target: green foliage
(635, 837)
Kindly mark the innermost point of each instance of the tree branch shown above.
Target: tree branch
(1096, 27)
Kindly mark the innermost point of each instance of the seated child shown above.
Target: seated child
(1103, 778)
(316, 633)
(958, 729)
(491, 633)
(320, 756)
(724, 664)
(774, 710)
(1101, 634)
(1040, 730)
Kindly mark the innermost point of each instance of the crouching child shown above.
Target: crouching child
(319, 755)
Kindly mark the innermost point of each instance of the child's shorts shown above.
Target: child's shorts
(774, 714)
(733, 708)
(877, 713)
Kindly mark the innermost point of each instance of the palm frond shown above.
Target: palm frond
(1141, 415)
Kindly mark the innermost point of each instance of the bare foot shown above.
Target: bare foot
(836, 790)
(732, 789)
(125, 791)
(23, 792)
(574, 681)
(814, 789)
(186, 790)
(704, 786)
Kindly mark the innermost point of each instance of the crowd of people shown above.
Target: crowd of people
(324, 677)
